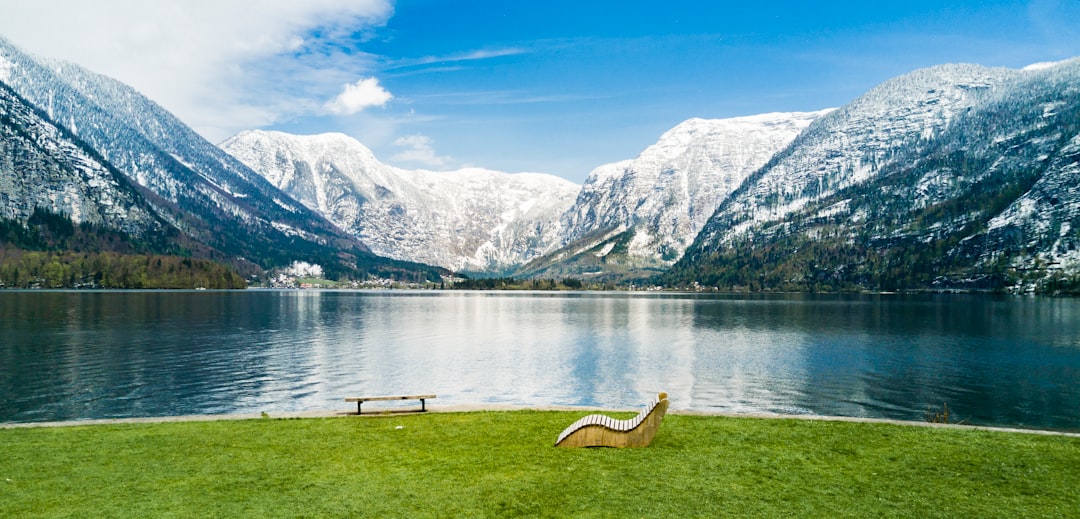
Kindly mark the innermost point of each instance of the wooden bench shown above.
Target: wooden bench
(361, 399)
(597, 430)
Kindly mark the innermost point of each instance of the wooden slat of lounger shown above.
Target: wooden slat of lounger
(644, 413)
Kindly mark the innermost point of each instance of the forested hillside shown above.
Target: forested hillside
(52, 251)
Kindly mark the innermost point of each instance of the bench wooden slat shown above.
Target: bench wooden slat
(375, 398)
(361, 399)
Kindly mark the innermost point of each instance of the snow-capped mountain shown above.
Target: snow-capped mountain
(950, 177)
(467, 220)
(204, 192)
(852, 144)
(644, 212)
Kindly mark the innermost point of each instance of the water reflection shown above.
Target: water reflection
(1005, 361)
(992, 360)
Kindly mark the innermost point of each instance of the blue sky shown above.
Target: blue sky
(554, 86)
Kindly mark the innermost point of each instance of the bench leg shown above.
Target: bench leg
(358, 407)
(422, 409)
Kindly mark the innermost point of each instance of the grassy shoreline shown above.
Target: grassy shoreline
(464, 408)
(502, 463)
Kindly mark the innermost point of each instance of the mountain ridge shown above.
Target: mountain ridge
(637, 216)
(471, 219)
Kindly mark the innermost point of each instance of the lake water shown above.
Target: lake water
(1006, 361)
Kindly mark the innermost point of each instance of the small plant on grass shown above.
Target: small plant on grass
(942, 416)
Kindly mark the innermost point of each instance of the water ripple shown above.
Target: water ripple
(78, 355)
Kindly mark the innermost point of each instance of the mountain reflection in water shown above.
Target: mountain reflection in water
(1007, 361)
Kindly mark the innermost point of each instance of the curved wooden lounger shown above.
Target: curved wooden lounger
(598, 430)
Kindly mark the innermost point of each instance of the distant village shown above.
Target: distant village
(304, 275)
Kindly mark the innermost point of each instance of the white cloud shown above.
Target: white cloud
(220, 65)
(419, 151)
(360, 95)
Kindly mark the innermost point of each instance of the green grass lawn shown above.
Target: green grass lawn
(500, 464)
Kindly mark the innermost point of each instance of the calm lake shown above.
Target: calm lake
(1007, 361)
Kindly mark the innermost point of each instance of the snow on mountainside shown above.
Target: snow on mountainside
(851, 144)
(950, 177)
(467, 220)
(201, 190)
(669, 191)
(647, 210)
(1040, 230)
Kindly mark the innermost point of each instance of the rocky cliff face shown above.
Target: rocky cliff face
(467, 220)
(44, 166)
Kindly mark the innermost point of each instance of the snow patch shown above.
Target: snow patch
(641, 244)
(1042, 65)
(286, 206)
(1050, 109)
(286, 229)
(605, 250)
(6, 68)
(835, 209)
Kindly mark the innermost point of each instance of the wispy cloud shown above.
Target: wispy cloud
(419, 150)
(476, 55)
(507, 97)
